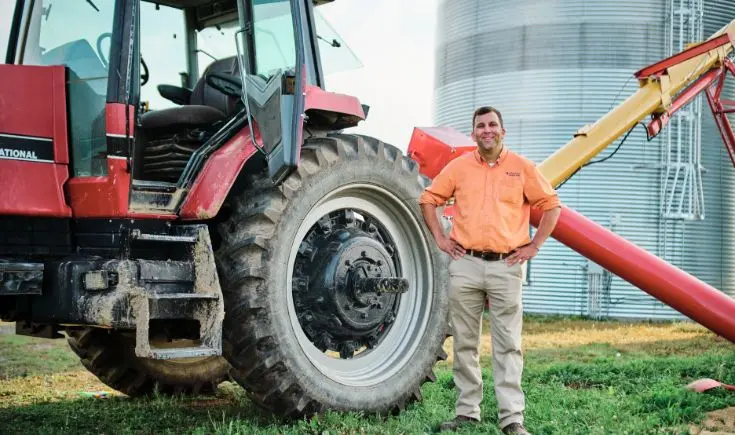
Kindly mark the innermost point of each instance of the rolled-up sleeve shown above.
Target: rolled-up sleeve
(441, 189)
(538, 190)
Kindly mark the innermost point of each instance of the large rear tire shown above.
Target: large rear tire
(110, 355)
(299, 336)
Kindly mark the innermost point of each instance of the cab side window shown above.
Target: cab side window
(84, 48)
(163, 49)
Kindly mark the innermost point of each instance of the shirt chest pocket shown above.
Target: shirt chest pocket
(510, 191)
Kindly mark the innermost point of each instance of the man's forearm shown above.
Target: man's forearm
(432, 221)
(546, 226)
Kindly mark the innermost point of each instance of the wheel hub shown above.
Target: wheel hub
(346, 289)
(357, 259)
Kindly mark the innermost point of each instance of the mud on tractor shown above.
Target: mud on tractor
(217, 223)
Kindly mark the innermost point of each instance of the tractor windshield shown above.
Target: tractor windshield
(336, 56)
(274, 41)
(77, 34)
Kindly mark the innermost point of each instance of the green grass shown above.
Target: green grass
(24, 356)
(633, 383)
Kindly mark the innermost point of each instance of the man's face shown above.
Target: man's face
(488, 133)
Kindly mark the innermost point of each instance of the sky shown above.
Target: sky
(395, 42)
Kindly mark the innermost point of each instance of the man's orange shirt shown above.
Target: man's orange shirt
(491, 203)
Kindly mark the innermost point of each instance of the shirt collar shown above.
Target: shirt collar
(501, 157)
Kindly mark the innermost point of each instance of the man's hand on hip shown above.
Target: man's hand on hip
(522, 254)
(450, 246)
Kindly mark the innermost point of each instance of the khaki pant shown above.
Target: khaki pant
(472, 280)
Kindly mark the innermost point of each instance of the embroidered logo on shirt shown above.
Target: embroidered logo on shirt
(513, 174)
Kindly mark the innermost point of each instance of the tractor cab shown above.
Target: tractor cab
(159, 96)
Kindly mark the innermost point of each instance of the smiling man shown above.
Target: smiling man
(493, 190)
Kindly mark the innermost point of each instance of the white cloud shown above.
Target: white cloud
(395, 40)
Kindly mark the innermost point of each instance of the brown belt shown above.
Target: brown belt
(488, 255)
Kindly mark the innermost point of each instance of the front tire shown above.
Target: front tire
(299, 336)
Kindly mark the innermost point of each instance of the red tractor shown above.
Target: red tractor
(221, 213)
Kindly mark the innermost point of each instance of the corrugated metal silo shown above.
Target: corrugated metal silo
(552, 66)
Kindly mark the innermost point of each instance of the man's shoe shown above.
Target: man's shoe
(459, 421)
(515, 428)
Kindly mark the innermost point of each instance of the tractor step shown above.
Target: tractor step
(173, 295)
(184, 296)
(181, 305)
(200, 300)
(137, 235)
(183, 352)
(200, 306)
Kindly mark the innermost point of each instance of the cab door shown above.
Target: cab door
(274, 73)
(67, 88)
(34, 158)
(53, 98)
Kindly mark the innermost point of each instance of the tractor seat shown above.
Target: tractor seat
(205, 106)
(170, 136)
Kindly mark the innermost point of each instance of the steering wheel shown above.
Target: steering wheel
(228, 84)
(144, 76)
(100, 53)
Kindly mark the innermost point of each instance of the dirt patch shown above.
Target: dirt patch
(658, 339)
(614, 333)
(718, 422)
(50, 387)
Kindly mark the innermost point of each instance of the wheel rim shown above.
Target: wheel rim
(400, 341)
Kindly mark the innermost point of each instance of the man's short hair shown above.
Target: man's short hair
(484, 110)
